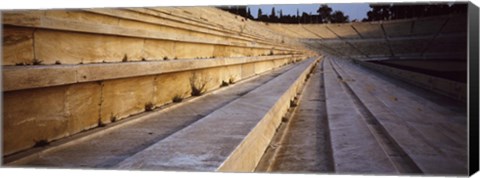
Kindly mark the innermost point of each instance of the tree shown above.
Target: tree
(242, 11)
(249, 15)
(338, 17)
(382, 12)
(324, 11)
(298, 16)
(305, 18)
(272, 15)
(259, 13)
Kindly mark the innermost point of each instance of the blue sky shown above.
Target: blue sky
(353, 10)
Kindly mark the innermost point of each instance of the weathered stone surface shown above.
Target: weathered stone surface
(47, 114)
(219, 143)
(234, 51)
(179, 84)
(151, 27)
(284, 29)
(344, 30)
(17, 46)
(300, 31)
(31, 116)
(232, 73)
(83, 95)
(193, 50)
(220, 51)
(322, 31)
(130, 31)
(259, 52)
(211, 77)
(15, 78)
(147, 22)
(124, 97)
(169, 85)
(26, 18)
(248, 70)
(75, 48)
(94, 148)
(80, 15)
(26, 77)
(261, 67)
(281, 62)
(158, 49)
(369, 30)
(82, 106)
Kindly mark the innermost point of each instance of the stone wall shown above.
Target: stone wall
(66, 71)
(107, 35)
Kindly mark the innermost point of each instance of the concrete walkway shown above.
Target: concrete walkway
(355, 147)
(432, 133)
(353, 120)
(304, 143)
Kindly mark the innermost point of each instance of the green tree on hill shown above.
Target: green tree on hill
(325, 13)
(338, 17)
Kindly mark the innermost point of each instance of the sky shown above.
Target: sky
(353, 10)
